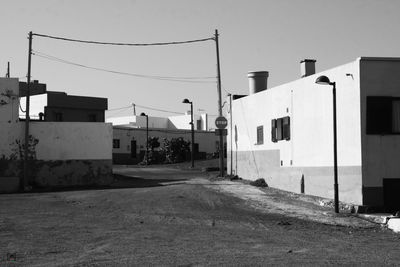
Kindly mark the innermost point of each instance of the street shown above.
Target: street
(172, 217)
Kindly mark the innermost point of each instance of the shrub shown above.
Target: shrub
(259, 183)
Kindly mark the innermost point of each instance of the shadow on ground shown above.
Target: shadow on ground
(120, 181)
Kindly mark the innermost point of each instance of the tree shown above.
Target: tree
(175, 150)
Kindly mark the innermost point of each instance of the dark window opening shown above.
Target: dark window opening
(58, 116)
(133, 148)
(116, 143)
(280, 129)
(383, 115)
(92, 117)
(260, 135)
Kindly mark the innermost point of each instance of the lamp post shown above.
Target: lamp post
(147, 136)
(186, 101)
(325, 81)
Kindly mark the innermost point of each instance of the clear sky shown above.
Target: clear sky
(272, 35)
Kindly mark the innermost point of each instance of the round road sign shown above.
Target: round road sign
(221, 122)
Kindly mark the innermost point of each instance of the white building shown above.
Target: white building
(201, 122)
(129, 141)
(285, 133)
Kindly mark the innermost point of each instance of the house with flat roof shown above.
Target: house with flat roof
(59, 106)
(284, 134)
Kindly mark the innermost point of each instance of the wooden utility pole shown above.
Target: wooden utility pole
(26, 146)
(221, 137)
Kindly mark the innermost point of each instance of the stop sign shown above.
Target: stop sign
(221, 122)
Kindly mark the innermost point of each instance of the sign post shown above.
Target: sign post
(221, 123)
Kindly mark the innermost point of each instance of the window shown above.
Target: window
(92, 117)
(58, 116)
(280, 129)
(383, 115)
(260, 135)
(116, 143)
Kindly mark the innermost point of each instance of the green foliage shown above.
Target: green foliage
(175, 149)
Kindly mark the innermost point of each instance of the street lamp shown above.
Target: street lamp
(147, 136)
(186, 101)
(325, 81)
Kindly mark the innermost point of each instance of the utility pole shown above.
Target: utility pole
(26, 147)
(134, 109)
(8, 70)
(221, 138)
(230, 115)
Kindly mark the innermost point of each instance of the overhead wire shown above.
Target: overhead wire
(164, 78)
(123, 44)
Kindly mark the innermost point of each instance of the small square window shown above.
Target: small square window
(92, 117)
(116, 143)
(58, 116)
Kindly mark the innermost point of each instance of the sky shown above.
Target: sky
(254, 35)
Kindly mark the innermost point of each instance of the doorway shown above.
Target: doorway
(391, 194)
(133, 149)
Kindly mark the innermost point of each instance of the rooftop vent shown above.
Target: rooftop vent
(257, 81)
(307, 67)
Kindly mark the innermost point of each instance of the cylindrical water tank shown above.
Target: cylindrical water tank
(257, 81)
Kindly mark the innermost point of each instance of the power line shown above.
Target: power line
(119, 108)
(122, 44)
(161, 110)
(164, 78)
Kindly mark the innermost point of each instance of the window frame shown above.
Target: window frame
(280, 129)
(382, 122)
(116, 143)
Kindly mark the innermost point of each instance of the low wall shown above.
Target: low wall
(63, 153)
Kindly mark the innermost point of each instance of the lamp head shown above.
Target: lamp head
(323, 80)
(143, 114)
(186, 101)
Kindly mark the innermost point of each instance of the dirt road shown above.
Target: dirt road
(175, 218)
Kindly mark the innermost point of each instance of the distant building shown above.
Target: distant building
(201, 122)
(129, 143)
(58, 106)
(284, 134)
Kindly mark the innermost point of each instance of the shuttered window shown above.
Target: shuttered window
(286, 128)
(260, 135)
(280, 129)
(273, 131)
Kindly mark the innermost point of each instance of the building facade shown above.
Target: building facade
(129, 143)
(62, 153)
(285, 134)
(59, 106)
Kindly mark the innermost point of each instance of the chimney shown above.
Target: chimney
(257, 81)
(307, 67)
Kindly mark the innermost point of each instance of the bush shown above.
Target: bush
(259, 183)
(175, 150)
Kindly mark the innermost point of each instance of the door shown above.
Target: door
(133, 149)
(391, 195)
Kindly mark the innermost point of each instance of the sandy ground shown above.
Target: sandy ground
(170, 217)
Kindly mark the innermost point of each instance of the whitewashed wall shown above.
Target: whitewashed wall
(72, 140)
(309, 152)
